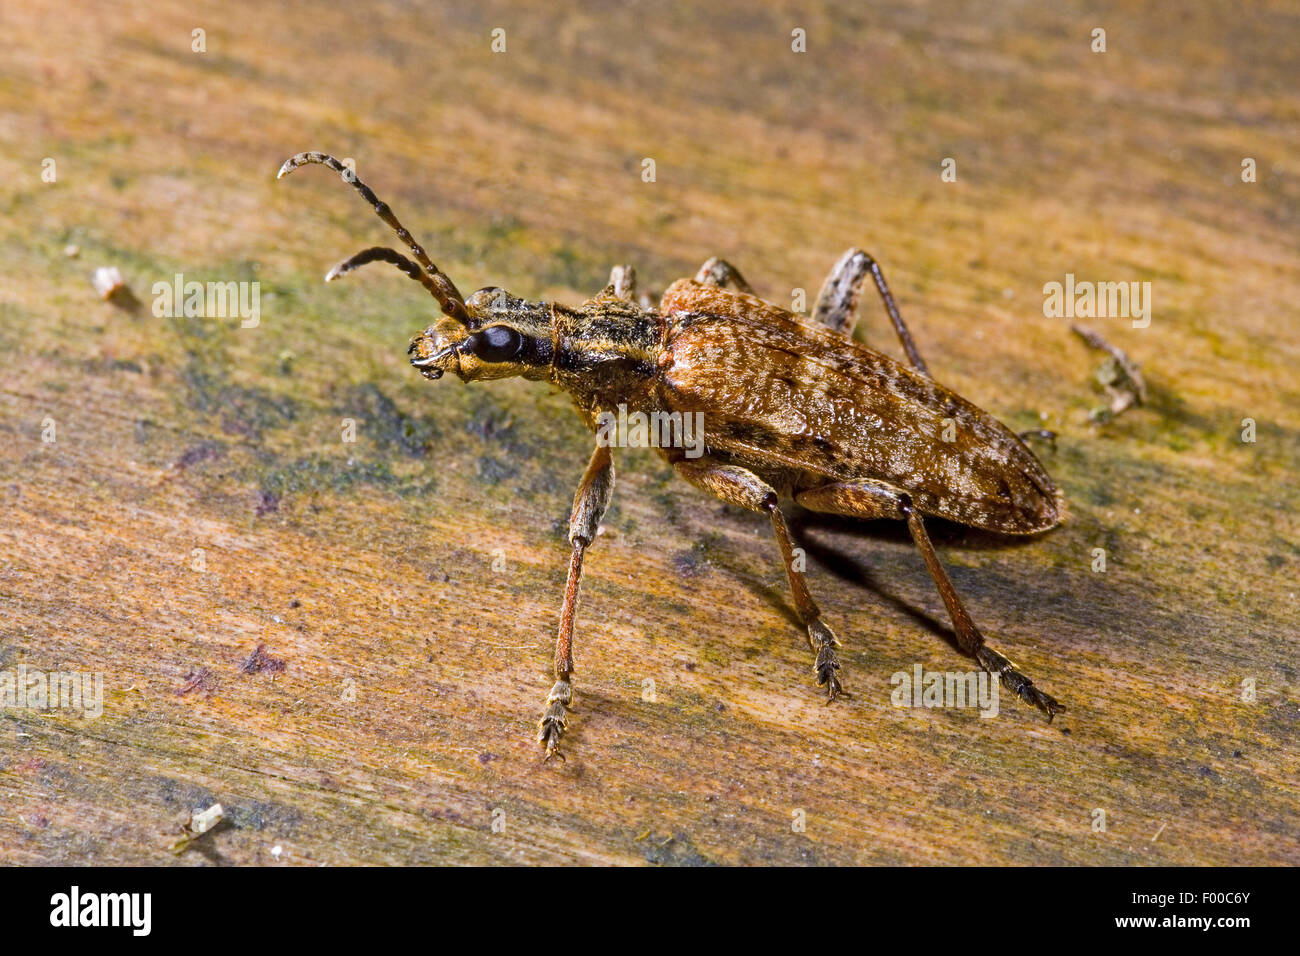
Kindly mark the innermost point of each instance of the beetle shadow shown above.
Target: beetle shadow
(942, 532)
(854, 570)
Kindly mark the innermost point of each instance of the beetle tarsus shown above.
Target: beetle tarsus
(1018, 683)
(555, 721)
(827, 665)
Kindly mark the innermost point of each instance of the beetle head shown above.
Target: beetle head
(504, 336)
(492, 334)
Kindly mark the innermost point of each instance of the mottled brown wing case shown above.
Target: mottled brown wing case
(783, 394)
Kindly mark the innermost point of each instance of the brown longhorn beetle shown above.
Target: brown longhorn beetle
(793, 409)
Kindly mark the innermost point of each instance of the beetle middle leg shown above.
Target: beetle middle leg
(837, 303)
(722, 274)
(874, 499)
(739, 486)
(589, 504)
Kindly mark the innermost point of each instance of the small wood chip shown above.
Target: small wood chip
(1119, 375)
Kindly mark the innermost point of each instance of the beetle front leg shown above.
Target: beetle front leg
(722, 274)
(739, 486)
(837, 303)
(589, 504)
(874, 499)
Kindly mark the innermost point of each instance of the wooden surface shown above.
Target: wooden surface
(415, 672)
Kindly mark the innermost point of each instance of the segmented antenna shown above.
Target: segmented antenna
(381, 254)
(435, 280)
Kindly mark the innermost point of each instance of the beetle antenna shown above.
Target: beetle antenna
(444, 290)
(380, 254)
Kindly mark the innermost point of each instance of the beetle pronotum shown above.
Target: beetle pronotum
(794, 410)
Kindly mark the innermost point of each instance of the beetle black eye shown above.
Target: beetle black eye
(496, 343)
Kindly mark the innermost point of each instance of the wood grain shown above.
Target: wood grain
(415, 671)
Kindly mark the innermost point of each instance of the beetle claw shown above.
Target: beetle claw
(834, 690)
(1046, 703)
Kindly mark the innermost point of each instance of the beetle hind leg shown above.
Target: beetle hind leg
(968, 635)
(742, 487)
(874, 499)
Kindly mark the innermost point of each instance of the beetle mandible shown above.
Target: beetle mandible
(794, 410)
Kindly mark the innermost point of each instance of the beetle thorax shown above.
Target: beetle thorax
(605, 350)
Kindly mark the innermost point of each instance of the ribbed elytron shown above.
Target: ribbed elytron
(794, 409)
